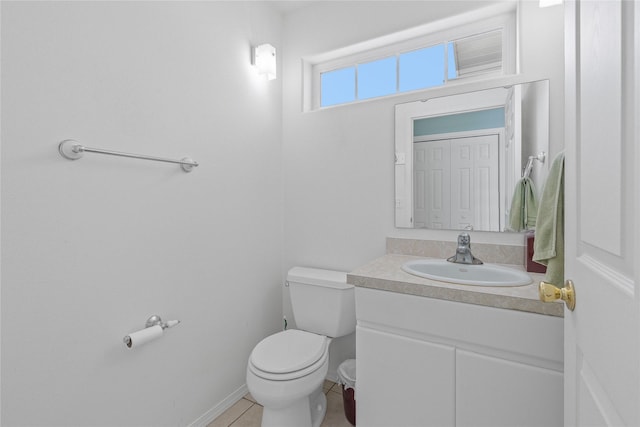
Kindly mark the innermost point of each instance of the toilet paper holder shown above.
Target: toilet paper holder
(152, 321)
(156, 320)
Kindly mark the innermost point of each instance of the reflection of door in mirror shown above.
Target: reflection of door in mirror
(432, 180)
(456, 183)
(434, 189)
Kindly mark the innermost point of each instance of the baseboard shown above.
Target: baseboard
(219, 409)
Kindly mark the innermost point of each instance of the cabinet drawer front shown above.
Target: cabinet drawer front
(531, 338)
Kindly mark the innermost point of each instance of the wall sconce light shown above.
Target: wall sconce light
(264, 59)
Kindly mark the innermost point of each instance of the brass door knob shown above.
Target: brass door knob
(549, 292)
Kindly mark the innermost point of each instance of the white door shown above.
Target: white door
(432, 175)
(420, 184)
(602, 335)
(475, 200)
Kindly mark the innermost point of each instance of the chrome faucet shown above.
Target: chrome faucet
(463, 251)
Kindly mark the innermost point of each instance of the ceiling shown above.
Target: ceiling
(287, 6)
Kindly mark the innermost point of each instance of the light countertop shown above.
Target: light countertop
(385, 273)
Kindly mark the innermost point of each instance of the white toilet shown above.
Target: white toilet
(286, 370)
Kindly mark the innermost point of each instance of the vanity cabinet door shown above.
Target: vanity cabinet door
(403, 382)
(495, 392)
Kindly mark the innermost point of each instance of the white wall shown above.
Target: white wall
(91, 248)
(535, 122)
(338, 162)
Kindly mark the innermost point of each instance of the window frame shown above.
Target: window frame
(440, 32)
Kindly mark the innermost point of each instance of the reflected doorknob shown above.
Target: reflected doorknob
(549, 292)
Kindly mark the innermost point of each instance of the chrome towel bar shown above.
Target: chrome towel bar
(73, 150)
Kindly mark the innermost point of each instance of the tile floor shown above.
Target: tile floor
(247, 413)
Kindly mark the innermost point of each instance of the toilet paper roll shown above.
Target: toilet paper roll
(145, 335)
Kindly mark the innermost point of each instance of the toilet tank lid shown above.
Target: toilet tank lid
(320, 277)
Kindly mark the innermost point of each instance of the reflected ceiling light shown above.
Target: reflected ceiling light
(264, 59)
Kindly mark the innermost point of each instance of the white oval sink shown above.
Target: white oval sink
(466, 274)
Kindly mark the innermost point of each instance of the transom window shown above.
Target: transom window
(477, 49)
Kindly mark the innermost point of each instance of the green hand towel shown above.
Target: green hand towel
(548, 247)
(524, 206)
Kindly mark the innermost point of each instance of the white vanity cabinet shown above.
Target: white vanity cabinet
(430, 362)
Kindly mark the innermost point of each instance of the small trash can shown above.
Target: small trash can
(347, 378)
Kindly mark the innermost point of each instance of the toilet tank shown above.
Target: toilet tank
(322, 301)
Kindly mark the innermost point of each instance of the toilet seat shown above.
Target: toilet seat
(289, 355)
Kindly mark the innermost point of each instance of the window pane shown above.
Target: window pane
(338, 86)
(479, 54)
(473, 120)
(422, 68)
(452, 68)
(377, 78)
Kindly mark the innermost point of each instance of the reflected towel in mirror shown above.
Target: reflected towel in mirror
(524, 206)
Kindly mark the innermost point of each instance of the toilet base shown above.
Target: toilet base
(308, 411)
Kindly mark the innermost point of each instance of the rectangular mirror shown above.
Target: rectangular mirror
(460, 158)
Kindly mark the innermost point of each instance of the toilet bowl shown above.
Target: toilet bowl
(286, 370)
(285, 374)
